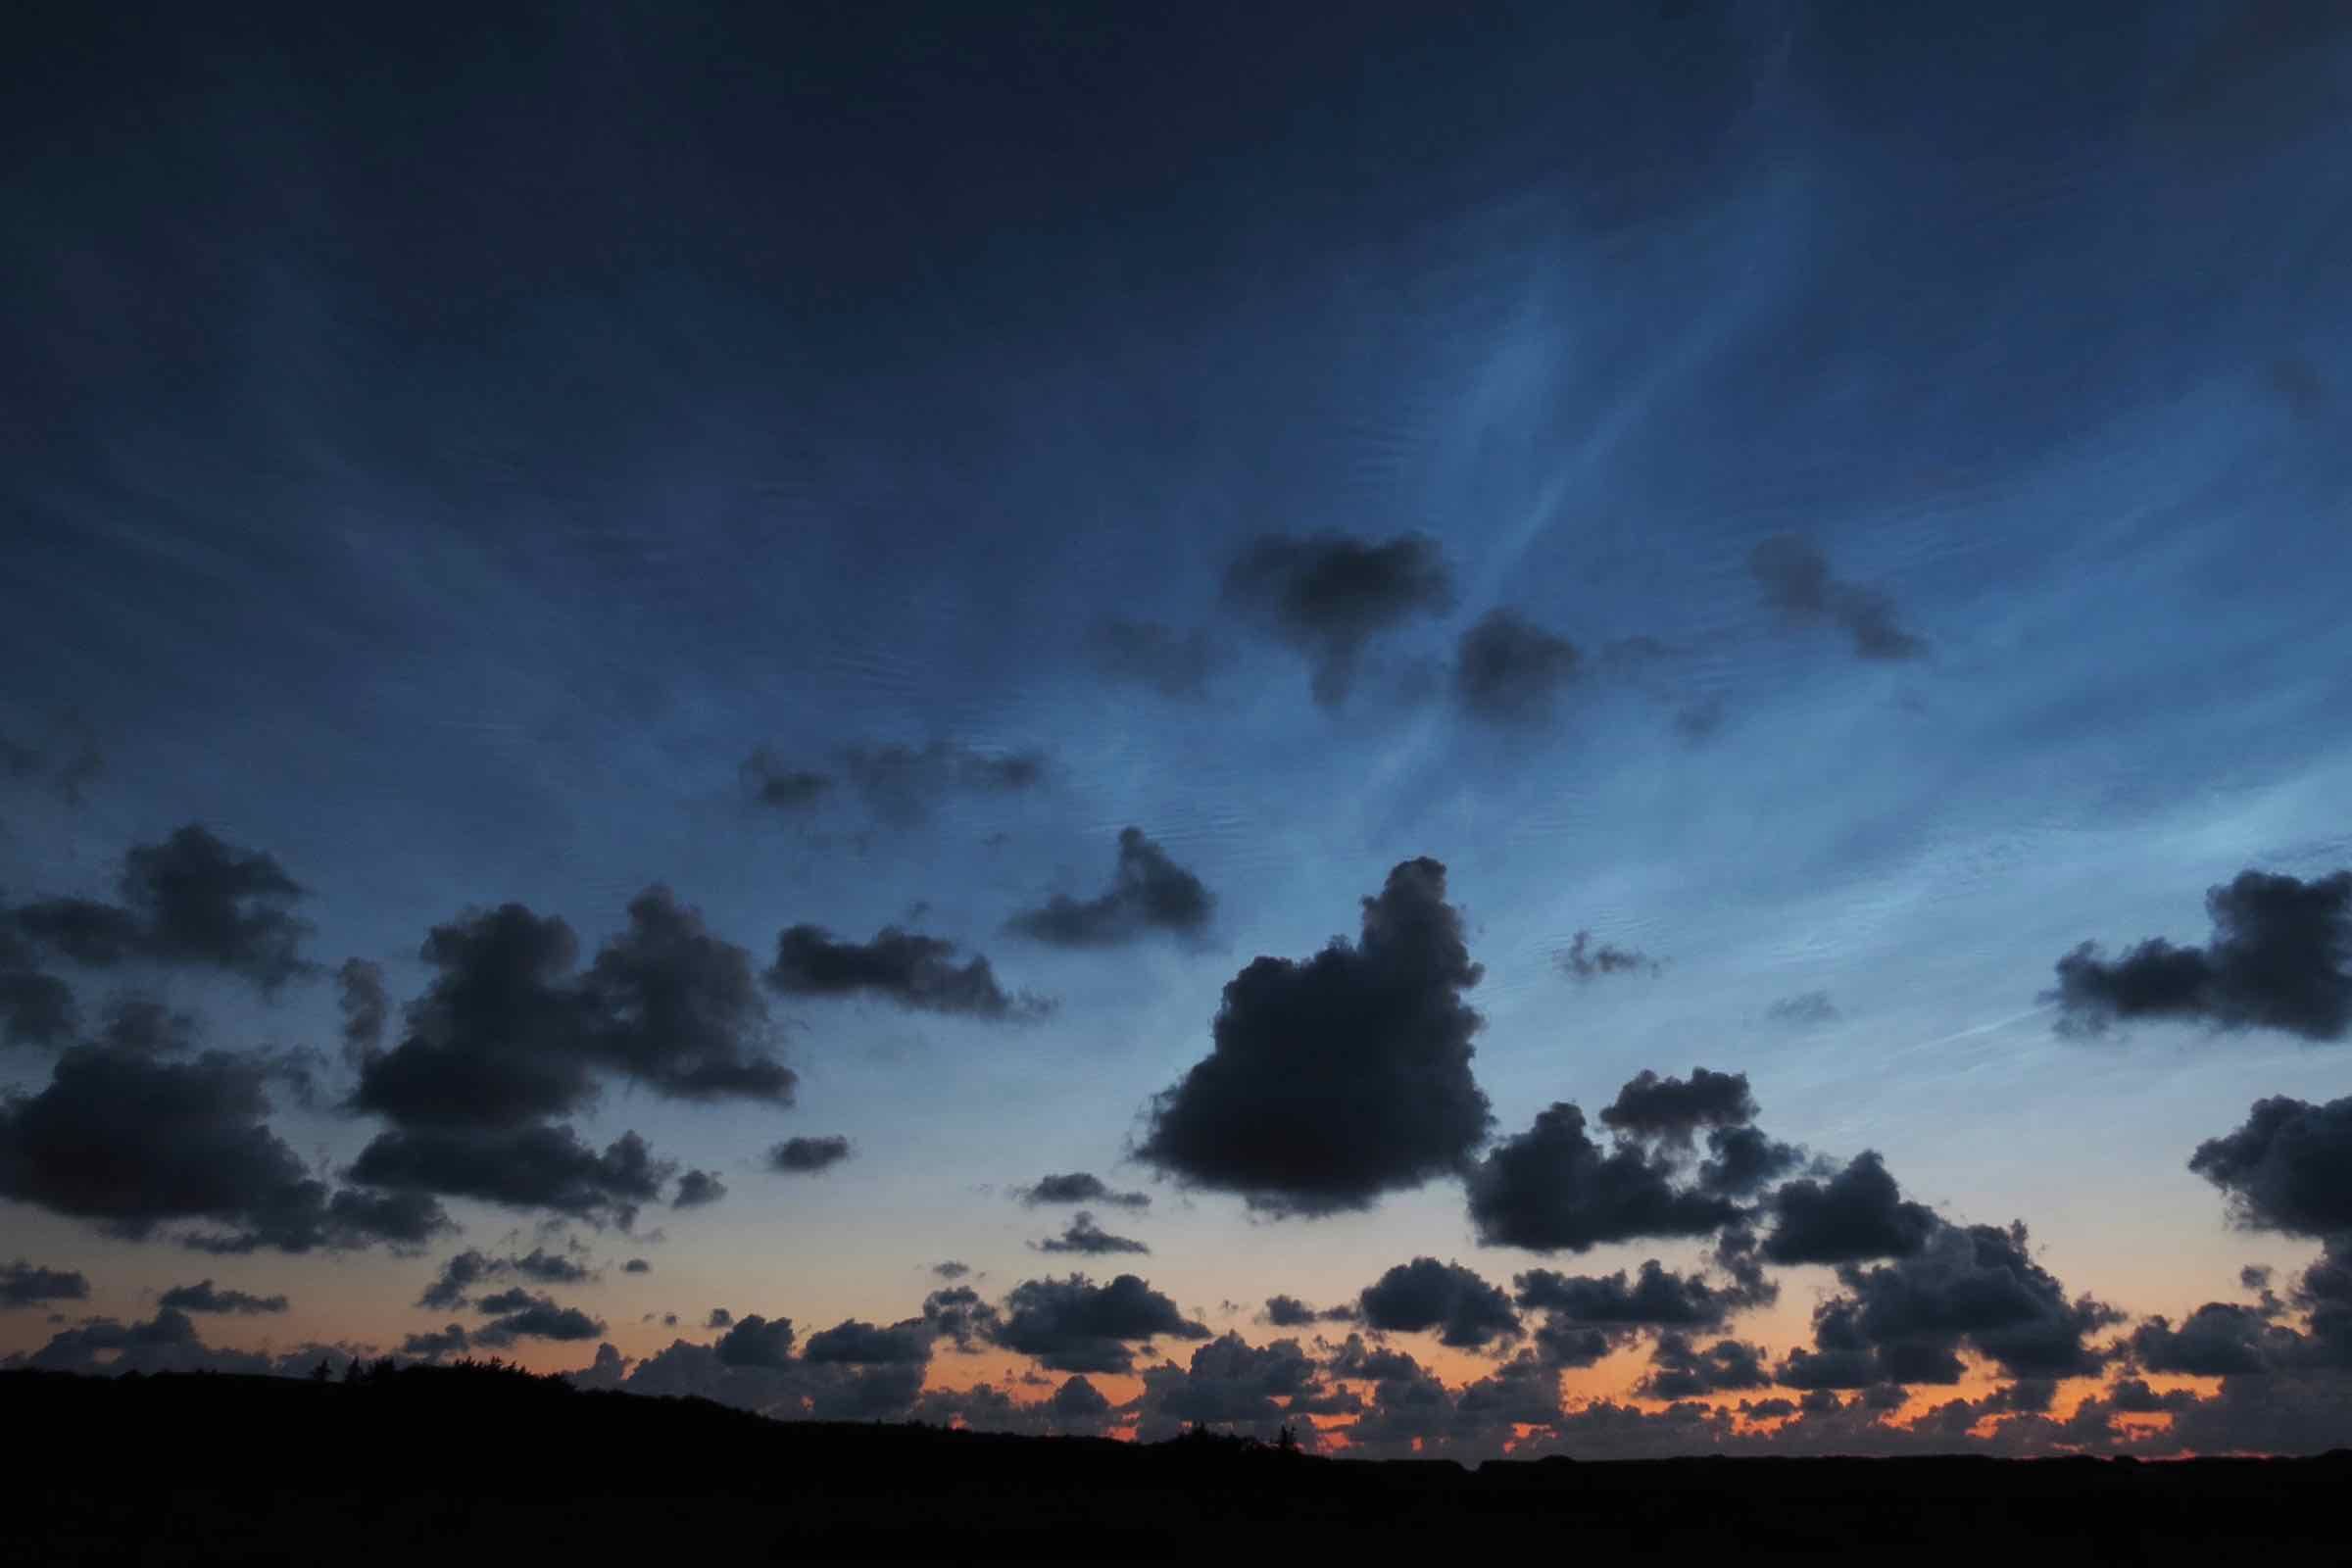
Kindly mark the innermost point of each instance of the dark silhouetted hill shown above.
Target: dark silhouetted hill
(459, 1463)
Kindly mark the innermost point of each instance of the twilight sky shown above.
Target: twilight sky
(1057, 708)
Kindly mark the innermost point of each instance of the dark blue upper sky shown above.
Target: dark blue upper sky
(1838, 504)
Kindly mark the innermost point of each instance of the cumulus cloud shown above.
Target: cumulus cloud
(536, 1167)
(1466, 1312)
(524, 1316)
(951, 1269)
(1074, 1325)
(193, 899)
(905, 968)
(134, 1143)
(1149, 891)
(2287, 1168)
(1079, 1187)
(1232, 1386)
(1742, 1161)
(1553, 1189)
(1797, 580)
(858, 1344)
(1290, 1313)
(637, 1265)
(1507, 670)
(1655, 1297)
(1083, 1235)
(1858, 1213)
(1330, 596)
(806, 1156)
(1145, 653)
(24, 1284)
(1680, 1369)
(1673, 1109)
(959, 1315)
(2278, 960)
(1583, 960)
(206, 1296)
(36, 1008)
(698, 1188)
(1339, 1078)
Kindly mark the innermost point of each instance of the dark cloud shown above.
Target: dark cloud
(902, 784)
(958, 1314)
(1232, 1386)
(902, 967)
(1860, 1213)
(1673, 1109)
(1290, 1313)
(1552, 1189)
(860, 1343)
(1585, 961)
(950, 1269)
(1466, 1311)
(2218, 1340)
(143, 1026)
(366, 1004)
(1075, 1409)
(1682, 1370)
(530, 1167)
(450, 1341)
(1806, 1010)
(805, 1156)
(1149, 891)
(192, 900)
(720, 1318)
(549, 1268)
(1964, 1287)
(637, 1265)
(205, 1296)
(1330, 596)
(769, 781)
(37, 1009)
(507, 1034)
(1073, 1325)
(2288, 1168)
(459, 1274)
(24, 1284)
(524, 1316)
(1335, 1079)
(1797, 580)
(1145, 653)
(697, 1187)
(755, 1342)
(134, 1143)
(513, 1299)
(1079, 1187)
(1742, 1161)
(1083, 1235)
(1655, 1297)
(1507, 670)
(2278, 960)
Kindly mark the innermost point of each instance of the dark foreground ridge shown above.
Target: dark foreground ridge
(438, 1463)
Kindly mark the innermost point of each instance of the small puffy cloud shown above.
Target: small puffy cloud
(1585, 960)
(1860, 1213)
(950, 1269)
(1680, 1369)
(769, 781)
(1330, 596)
(2287, 1168)
(1074, 1325)
(2278, 960)
(757, 1342)
(1083, 1235)
(806, 1156)
(194, 900)
(523, 1316)
(1290, 1313)
(24, 1284)
(1553, 1189)
(858, 1343)
(905, 968)
(1466, 1312)
(1673, 1109)
(698, 1188)
(205, 1296)
(1079, 1187)
(637, 1265)
(1149, 891)
(1335, 1079)
(1507, 670)
(1797, 580)
(530, 1168)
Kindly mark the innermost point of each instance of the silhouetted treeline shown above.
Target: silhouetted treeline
(385, 1463)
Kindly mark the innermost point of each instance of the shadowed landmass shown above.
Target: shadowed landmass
(241, 1468)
